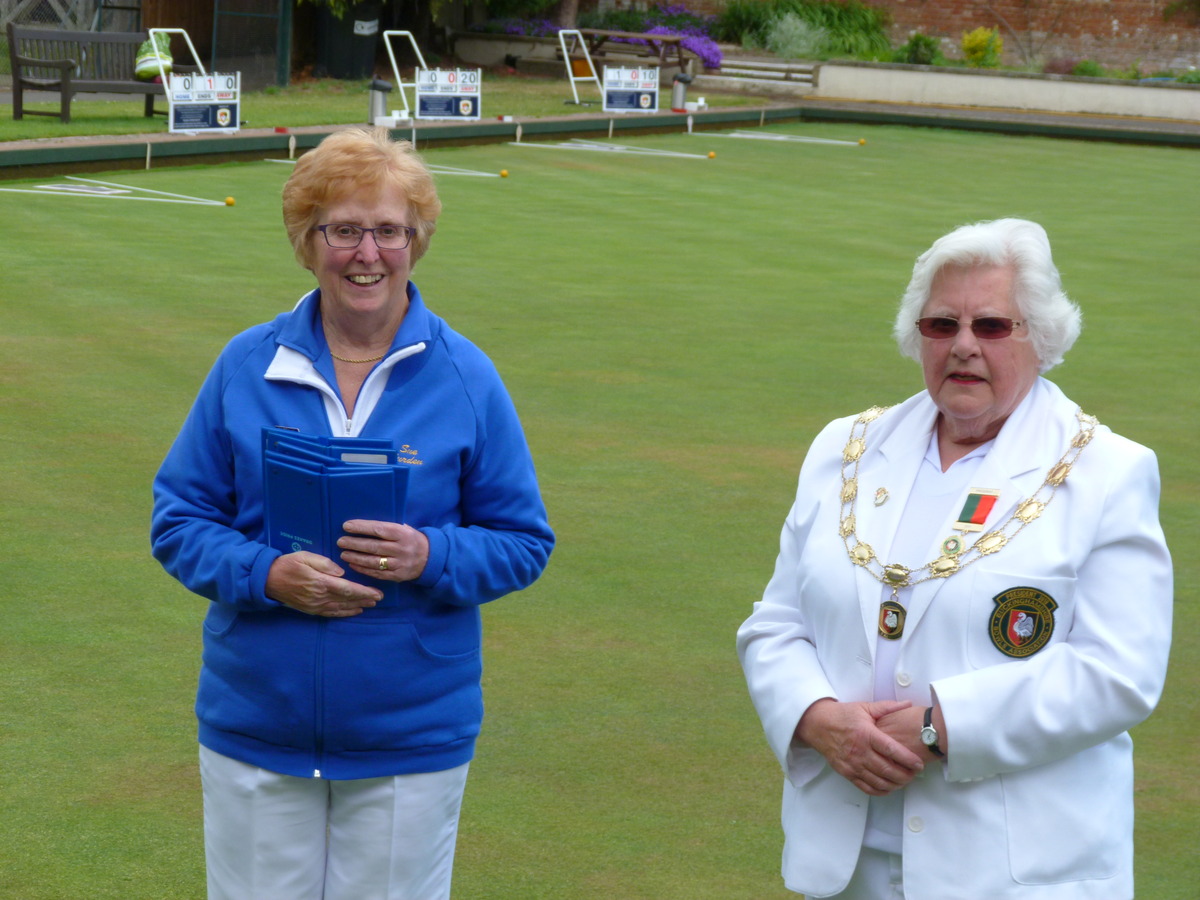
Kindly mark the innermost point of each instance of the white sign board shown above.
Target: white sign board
(630, 89)
(204, 103)
(448, 93)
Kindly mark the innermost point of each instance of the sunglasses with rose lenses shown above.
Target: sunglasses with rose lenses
(986, 328)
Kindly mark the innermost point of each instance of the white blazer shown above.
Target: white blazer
(1035, 799)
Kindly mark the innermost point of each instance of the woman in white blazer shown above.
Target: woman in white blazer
(970, 608)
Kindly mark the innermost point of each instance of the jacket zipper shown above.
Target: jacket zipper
(319, 700)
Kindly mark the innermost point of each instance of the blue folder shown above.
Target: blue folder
(314, 484)
(326, 446)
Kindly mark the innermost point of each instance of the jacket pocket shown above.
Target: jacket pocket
(1014, 615)
(1071, 820)
(385, 689)
(220, 618)
(257, 675)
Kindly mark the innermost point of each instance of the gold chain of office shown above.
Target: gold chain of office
(897, 576)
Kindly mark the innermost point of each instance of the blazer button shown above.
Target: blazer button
(903, 679)
(916, 823)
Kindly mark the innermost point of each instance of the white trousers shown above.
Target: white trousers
(878, 876)
(276, 837)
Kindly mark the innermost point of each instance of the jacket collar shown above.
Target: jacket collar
(302, 330)
(302, 357)
(1038, 429)
(1036, 434)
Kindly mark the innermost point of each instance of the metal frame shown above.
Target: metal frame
(166, 82)
(191, 47)
(401, 84)
(579, 42)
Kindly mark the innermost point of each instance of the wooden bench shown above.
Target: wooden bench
(72, 62)
(654, 46)
(760, 72)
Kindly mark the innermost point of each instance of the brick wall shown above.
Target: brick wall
(1114, 33)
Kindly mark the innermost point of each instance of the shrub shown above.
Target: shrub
(744, 22)
(1133, 73)
(1191, 76)
(1060, 65)
(700, 44)
(1088, 68)
(920, 50)
(613, 19)
(528, 27)
(513, 10)
(982, 48)
(793, 38)
(853, 28)
(678, 18)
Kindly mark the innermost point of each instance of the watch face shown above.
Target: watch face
(928, 736)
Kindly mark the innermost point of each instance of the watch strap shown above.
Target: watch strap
(928, 729)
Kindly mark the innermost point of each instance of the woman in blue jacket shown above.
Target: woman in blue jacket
(336, 726)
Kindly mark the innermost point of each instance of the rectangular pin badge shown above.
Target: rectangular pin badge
(976, 510)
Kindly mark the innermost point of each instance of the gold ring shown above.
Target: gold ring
(383, 563)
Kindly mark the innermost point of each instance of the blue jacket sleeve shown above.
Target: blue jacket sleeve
(199, 526)
(503, 539)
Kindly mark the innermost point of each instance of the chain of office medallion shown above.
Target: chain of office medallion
(897, 576)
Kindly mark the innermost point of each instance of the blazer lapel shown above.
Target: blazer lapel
(1030, 442)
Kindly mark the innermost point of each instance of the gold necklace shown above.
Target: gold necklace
(357, 361)
(897, 576)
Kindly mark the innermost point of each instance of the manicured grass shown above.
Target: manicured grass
(674, 332)
(325, 101)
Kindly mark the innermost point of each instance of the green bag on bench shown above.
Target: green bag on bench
(145, 64)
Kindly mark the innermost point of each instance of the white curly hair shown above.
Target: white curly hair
(1053, 319)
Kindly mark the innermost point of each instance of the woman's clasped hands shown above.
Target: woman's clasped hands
(853, 740)
(315, 585)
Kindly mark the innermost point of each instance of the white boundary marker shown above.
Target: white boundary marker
(436, 170)
(581, 144)
(164, 196)
(81, 189)
(770, 136)
(450, 170)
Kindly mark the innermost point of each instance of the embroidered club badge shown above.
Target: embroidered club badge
(1022, 622)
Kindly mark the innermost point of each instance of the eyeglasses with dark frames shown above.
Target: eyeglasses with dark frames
(986, 328)
(342, 236)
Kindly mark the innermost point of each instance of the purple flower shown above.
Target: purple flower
(668, 19)
(694, 40)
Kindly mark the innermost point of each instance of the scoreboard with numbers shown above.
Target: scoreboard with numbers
(204, 103)
(630, 89)
(448, 93)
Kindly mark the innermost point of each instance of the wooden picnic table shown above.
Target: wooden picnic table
(659, 46)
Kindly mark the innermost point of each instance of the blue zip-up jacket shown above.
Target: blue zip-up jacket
(396, 689)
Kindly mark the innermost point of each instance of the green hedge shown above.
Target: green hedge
(853, 28)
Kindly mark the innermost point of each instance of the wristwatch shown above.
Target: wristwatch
(929, 735)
